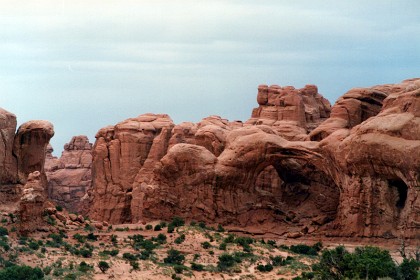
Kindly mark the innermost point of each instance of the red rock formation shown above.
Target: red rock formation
(69, 177)
(30, 145)
(292, 112)
(377, 165)
(8, 168)
(362, 179)
(32, 204)
(22, 157)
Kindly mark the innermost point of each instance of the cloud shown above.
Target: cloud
(86, 64)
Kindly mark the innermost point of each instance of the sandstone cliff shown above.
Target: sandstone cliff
(23, 181)
(69, 177)
(292, 168)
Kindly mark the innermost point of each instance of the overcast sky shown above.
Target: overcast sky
(86, 64)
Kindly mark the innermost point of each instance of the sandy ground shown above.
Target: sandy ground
(195, 236)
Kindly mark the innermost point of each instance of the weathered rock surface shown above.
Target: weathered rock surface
(69, 177)
(291, 168)
(22, 176)
(32, 204)
(291, 112)
(30, 145)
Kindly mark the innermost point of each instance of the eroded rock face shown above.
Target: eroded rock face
(8, 166)
(32, 204)
(30, 145)
(377, 165)
(22, 177)
(292, 168)
(70, 177)
(292, 112)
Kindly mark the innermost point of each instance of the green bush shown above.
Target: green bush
(129, 256)
(180, 239)
(24, 272)
(365, 262)
(149, 227)
(264, 268)
(171, 228)
(174, 257)
(408, 269)
(3, 231)
(197, 267)
(225, 261)
(220, 228)
(222, 246)
(178, 268)
(84, 267)
(92, 237)
(304, 250)
(59, 208)
(276, 261)
(33, 245)
(157, 228)
(103, 266)
(134, 265)
(202, 225)
(178, 221)
(206, 245)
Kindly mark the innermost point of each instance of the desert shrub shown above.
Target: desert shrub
(157, 228)
(59, 208)
(24, 272)
(110, 252)
(225, 262)
(303, 249)
(276, 261)
(245, 243)
(80, 238)
(220, 228)
(197, 267)
(271, 243)
(3, 231)
(264, 268)
(202, 225)
(171, 228)
(4, 245)
(174, 257)
(222, 246)
(365, 262)
(180, 239)
(178, 268)
(33, 245)
(70, 276)
(206, 245)
(408, 269)
(92, 237)
(86, 252)
(47, 270)
(103, 266)
(178, 221)
(84, 267)
(134, 265)
(129, 257)
(56, 240)
(114, 239)
(149, 227)
(163, 224)
(229, 239)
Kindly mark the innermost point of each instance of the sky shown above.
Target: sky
(83, 65)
